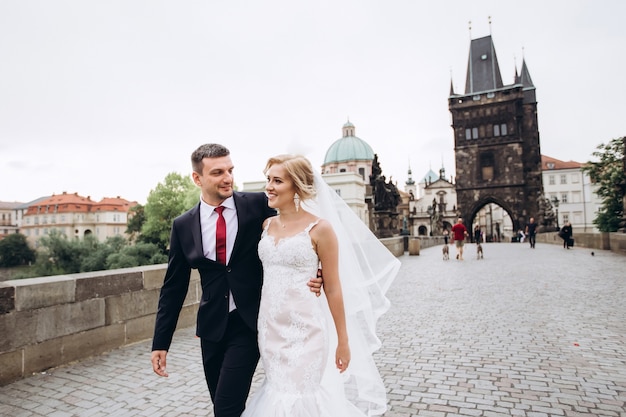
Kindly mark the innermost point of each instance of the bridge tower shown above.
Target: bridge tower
(496, 139)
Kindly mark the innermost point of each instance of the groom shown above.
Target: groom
(231, 289)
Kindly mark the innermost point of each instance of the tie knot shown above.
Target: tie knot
(219, 209)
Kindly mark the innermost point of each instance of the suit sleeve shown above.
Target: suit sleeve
(173, 293)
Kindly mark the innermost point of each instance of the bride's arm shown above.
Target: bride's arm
(327, 248)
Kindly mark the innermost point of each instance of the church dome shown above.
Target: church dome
(349, 148)
(430, 177)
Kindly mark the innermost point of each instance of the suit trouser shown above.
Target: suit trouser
(229, 366)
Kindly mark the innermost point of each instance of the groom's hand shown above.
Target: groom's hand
(315, 284)
(158, 362)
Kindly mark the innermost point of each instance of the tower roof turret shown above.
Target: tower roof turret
(483, 71)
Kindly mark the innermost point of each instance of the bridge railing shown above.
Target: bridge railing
(51, 321)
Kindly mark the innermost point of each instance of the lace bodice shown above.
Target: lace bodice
(291, 258)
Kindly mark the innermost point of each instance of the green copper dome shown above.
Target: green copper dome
(349, 148)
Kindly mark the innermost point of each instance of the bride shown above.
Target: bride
(317, 352)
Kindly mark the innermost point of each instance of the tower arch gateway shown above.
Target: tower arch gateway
(494, 218)
(496, 139)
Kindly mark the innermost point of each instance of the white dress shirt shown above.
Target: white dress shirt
(208, 219)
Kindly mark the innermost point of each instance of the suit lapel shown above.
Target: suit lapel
(196, 231)
(241, 205)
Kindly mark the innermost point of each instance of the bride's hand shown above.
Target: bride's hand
(342, 357)
(315, 284)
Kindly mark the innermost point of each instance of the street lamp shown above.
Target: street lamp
(430, 211)
(555, 201)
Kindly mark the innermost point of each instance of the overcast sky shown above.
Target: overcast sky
(105, 98)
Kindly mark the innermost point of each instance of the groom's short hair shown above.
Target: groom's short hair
(208, 150)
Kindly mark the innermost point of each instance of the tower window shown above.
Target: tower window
(472, 133)
(487, 166)
(499, 129)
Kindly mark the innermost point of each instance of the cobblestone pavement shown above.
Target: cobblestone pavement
(521, 332)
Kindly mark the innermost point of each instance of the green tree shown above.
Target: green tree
(167, 201)
(136, 219)
(608, 173)
(14, 251)
(95, 259)
(59, 255)
(136, 255)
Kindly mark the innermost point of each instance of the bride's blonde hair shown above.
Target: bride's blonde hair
(299, 170)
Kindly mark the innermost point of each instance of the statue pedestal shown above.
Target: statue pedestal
(386, 223)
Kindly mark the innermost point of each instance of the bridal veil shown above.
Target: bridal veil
(366, 269)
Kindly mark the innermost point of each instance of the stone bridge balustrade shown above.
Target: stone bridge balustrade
(50, 321)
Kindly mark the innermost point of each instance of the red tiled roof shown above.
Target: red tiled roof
(551, 164)
(75, 203)
(114, 204)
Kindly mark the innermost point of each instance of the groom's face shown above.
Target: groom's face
(216, 181)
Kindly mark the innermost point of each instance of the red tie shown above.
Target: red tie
(220, 236)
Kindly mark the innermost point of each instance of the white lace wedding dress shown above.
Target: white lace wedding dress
(294, 337)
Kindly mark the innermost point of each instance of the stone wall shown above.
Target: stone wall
(618, 242)
(417, 243)
(615, 242)
(394, 244)
(50, 321)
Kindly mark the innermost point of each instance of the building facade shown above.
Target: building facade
(8, 218)
(571, 193)
(75, 216)
(432, 204)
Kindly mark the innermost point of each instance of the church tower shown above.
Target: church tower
(496, 139)
(410, 186)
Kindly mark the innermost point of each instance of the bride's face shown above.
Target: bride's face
(279, 188)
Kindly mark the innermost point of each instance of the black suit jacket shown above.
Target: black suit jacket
(243, 275)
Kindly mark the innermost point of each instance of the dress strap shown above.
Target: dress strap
(312, 225)
(269, 220)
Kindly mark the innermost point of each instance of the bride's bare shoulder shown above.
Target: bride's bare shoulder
(323, 228)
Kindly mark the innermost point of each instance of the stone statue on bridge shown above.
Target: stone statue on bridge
(386, 194)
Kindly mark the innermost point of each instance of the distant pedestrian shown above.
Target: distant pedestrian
(446, 236)
(459, 232)
(477, 234)
(531, 232)
(566, 234)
